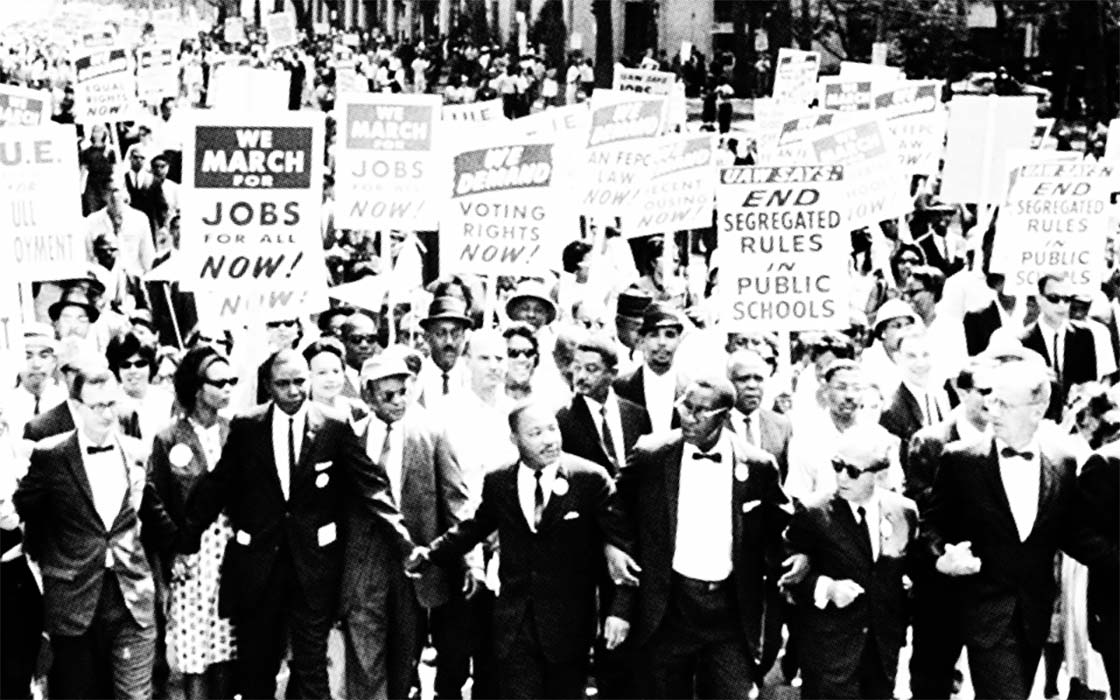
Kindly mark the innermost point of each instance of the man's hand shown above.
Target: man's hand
(843, 592)
(797, 568)
(958, 560)
(474, 580)
(615, 630)
(418, 562)
(623, 569)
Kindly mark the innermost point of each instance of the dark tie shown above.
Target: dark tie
(36, 406)
(866, 527)
(446, 383)
(714, 456)
(1057, 360)
(291, 450)
(538, 499)
(93, 450)
(608, 438)
(383, 459)
(1011, 453)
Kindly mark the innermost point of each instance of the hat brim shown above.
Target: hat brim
(650, 328)
(521, 297)
(425, 322)
(56, 308)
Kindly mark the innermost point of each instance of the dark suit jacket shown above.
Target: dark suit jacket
(556, 569)
(1012, 596)
(1099, 493)
(632, 387)
(59, 420)
(903, 417)
(1079, 363)
(433, 499)
(827, 531)
(648, 488)
(582, 439)
(55, 500)
(924, 458)
(331, 470)
(979, 326)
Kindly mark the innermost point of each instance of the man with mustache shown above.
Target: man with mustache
(654, 385)
(445, 329)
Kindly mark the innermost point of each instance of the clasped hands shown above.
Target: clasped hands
(419, 561)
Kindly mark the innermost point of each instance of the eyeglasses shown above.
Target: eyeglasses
(285, 383)
(130, 364)
(285, 322)
(854, 472)
(100, 407)
(222, 383)
(910, 293)
(359, 338)
(1058, 298)
(908, 261)
(696, 411)
(513, 353)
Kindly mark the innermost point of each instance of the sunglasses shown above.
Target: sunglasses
(854, 472)
(908, 261)
(204, 340)
(1058, 298)
(285, 322)
(521, 352)
(222, 383)
(359, 338)
(129, 364)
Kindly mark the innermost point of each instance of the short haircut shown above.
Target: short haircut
(911, 333)
(88, 372)
(524, 330)
(123, 346)
(480, 335)
(839, 345)
(722, 386)
(350, 322)
(190, 375)
(966, 378)
(328, 345)
(282, 357)
(840, 366)
(931, 280)
(573, 255)
(599, 343)
(1051, 277)
(520, 407)
(1032, 373)
(744, 355)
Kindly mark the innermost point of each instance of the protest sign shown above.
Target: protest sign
(617, 149)
(558, 121)
(346, 78)
(476, 112)
(252, 90)
(44, 238)
(99, 38)
(156, 73)
(11, 325)
(769, 116)
(875, 185)
(678, 187)
(1042, 128)
(389, 162)
(981, 131)
(1055, 219)
(251, 198)
(647, 82)
(795, 77)
(785, 248)
(104, 85)
(508, 212)
(915, 121)
(233, 308)
(882, 76)
(20, 106)
(845, 95)
(233, 31)
(795, 134)
(281, 27)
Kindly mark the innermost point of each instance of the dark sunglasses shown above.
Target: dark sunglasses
(908, 261)
(358, 338)
(521, 352)
(129, 364)
(222, 383)
(204, 340)
(285, 322)
(1059, 298)
(854, 472)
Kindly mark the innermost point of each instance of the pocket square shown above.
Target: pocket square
(320, 466)
(572, 515)
(751, 505)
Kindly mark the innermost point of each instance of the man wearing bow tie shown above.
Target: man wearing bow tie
(1000, 508)
(552, 512)
(704, 516)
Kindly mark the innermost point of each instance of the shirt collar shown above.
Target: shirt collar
(548, 471)
(871, 507)
(1048, 331)
(84, 441)
(1032, 446)
(722, 447)
(300, 416)
(594, 406)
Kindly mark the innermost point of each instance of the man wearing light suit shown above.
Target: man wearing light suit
(287, 473)
(759, 426)
(384, 614)
(84, 500)
(704, 516)
(1000, 508)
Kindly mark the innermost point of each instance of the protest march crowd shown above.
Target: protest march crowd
(332, 359)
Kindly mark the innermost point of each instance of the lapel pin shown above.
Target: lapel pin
(741, 472)
(322, 480)
(180, 455)
(560, 486)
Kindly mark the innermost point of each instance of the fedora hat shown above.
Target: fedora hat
(74, 296)
(447, 308)
(632, 303)
(382, 366)
(659, 315)
(531, 290)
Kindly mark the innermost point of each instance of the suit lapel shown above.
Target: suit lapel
(739, 487)
(583, 416)
(265, 426)
(1047, 486)
(78, 469)
(673, 452)
(916, 413)
(185, 433)
(860, 546)
(556, 502)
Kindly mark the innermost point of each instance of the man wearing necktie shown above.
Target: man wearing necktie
(1068, 349)
(1000, 508)
(84, 500)
(918, 402)
(852, 606)
(759, 426)
(289, 471)
(704, 515)
(552, 512)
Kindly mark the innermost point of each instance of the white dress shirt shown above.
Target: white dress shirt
(211, 441)
(1021, 480)
(280, 422)
(431, 382)
(614, 422)
(20, 405)
(660, 394)
(526, 488)
(873, 514)
(375, 441)
(704, 529)
(747, 427)
(1056, 355)
(108, 477)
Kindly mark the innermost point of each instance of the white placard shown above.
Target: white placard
(982, 129)
(795, 77)
(20, 106)
(104, 85)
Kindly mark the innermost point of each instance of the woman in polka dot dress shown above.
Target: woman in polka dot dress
(203, 642)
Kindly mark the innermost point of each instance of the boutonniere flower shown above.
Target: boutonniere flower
(560, 486)
(180, 455)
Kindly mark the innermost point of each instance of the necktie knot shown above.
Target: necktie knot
(94, 449)
(713, 456)
(862, 513)
(1012, 453)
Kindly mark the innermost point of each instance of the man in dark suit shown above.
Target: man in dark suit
(287, 473)
(653, 386)
(759, 426)
(1069, 350)
(859, 543)
(1099, 489)
(385, 615)
(84, 500)
(602, 427)
(552, 512)
(704, 516)
(917, 402)
(937, 639)
(599, 425)
(1008, 502)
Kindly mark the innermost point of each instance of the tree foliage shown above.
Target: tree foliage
(549, 29)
